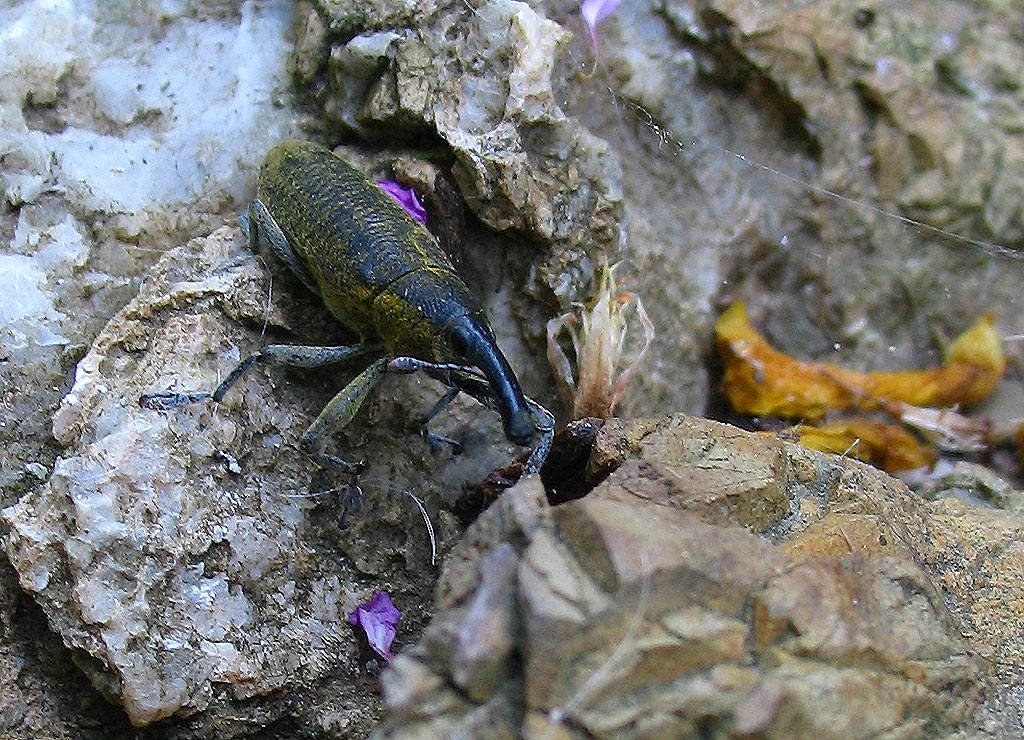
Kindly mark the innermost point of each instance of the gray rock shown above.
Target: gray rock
(179, 573)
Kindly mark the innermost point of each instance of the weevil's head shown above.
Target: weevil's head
(473, 341)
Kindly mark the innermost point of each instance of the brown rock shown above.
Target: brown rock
(485, 638)
(718, 472)
(646, 618)
(620, 545)
(976, 556)
(856, 611)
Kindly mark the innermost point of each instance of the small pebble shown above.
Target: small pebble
(38, 470)
(233, 467)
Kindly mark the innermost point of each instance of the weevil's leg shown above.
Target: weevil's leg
(282, 354)
(339, 412)
(471, 381)
(458, 378)
(293, 355)
(436, 440)
(544, 423)
(465, 378)
(261, 223)
(351, 504)
(164, 400)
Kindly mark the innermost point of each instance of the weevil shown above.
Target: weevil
(387, 279)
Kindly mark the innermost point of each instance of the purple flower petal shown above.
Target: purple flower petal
(405, 197)
(378, 618)
(595, 11)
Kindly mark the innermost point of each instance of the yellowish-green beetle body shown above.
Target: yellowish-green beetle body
(378, 271)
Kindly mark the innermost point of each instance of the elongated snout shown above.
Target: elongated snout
(476, 344)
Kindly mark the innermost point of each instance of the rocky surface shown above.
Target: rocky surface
(901, 108)
(164, 548)
(723, 149)
(642, 610)
(123, 131)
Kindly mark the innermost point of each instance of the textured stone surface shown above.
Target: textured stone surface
(704, 467)
(521, 164)
(125, 129)
(913, 108)
(107, 126)
(928, 84)
(644, 613)
(195, 549)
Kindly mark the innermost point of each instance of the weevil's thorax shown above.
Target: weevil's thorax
(414, 314)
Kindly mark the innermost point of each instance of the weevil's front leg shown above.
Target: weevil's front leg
(338, 413)
(471, 381)
(282, 354)
(543, 422)
(262, 224)
(436, 440)
(464, 378)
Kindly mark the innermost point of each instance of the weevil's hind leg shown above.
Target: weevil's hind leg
(282, 354)
(437, 441)
(351, 504)
(261, 223)
(292, 355)
(338, 413)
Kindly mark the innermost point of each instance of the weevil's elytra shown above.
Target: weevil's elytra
(357, 244)
(386, 278)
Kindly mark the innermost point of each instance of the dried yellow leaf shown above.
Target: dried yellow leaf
(887, 446)
(760, 380)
